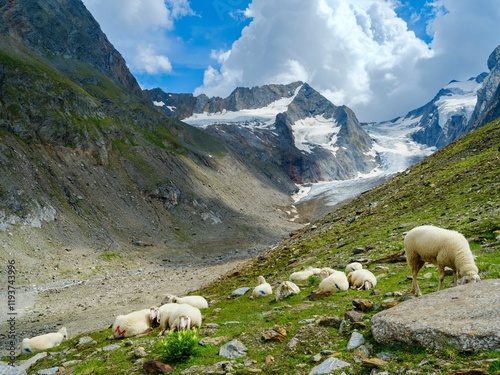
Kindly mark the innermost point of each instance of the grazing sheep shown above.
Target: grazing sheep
(335, 282)
(443, 247)
(196, 301)
(353, 267)
(362, 279)
(301, 277)
(286, 289)
(43, 342)
(161, 315)
(184, 317)
(132, 324)
(263, 289)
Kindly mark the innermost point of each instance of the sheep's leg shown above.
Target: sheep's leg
(441, 277)
(416, 265)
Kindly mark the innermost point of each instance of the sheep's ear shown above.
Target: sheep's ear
(477, 278)
(465, 280)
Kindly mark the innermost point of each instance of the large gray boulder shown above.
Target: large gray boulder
(466, 317)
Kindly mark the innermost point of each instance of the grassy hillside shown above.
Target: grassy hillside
(456, 188)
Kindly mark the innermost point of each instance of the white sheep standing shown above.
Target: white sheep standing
(336, 282)
(196, 301)
(362, 279)
(161, 315)
(353, 267)
(132, 324)
(263, 289)
(446, 248)
(43, 342)
(185, 317)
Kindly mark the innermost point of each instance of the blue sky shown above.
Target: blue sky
(381, 58)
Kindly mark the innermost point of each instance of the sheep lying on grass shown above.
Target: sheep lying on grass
(286, 289)
(196, 301)
(336, 282)
(301, 277)
(263, 289)
(354, 266)
(443, 247)
(362, 279)
(43, 342)
(132, 324)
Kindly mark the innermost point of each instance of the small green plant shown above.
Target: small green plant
(495, 367)
(178, 346)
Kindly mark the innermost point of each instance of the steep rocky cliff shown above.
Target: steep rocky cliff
(488, 96)
(87, 163)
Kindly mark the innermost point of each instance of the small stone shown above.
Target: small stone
(361, 352)
(316, 358)
(354, 316)
(231, 322)
(233, 349)
(213, 340)
(374, 362)
(269, 359)
(48, 371)
(362, 304)
(226, 366)
(307, 321)
(139, 352)
(273, 335)
(71, 362)
(357, 250)
(108, 348)
(156, 367)
(330, 321)
(86, 341)
(328, 366)
(356, 340)
(240, 292)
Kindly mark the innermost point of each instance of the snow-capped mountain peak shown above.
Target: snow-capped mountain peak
(292, 126)
(258, 117)
(458, 99)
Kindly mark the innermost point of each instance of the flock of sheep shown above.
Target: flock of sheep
(426, 243)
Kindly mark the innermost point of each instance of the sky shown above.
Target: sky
(381, 58)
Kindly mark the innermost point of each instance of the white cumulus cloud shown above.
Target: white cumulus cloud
(148, 62)
(137, 29)
(358, 53)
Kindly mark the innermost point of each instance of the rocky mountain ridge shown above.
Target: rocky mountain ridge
(289, 127)
(488, 96)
